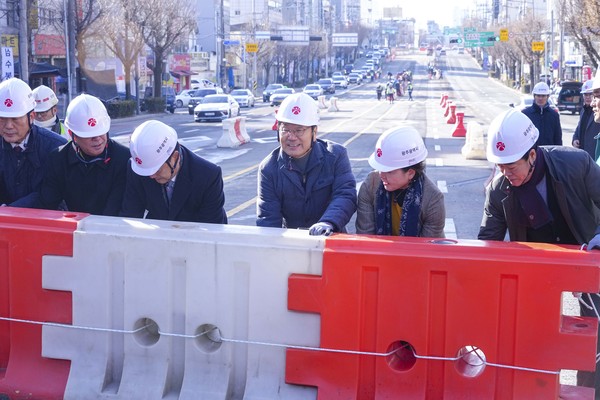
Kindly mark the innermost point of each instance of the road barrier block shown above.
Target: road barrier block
(234, 133)
(333, 107)
(452, 116)
(26, 237)
(321, 102)
(444, 100)
(474, 148)
(442, 319)
(459, 128)
(447, 110)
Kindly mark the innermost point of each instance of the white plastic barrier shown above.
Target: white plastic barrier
(234, 133)
(158, 279)
(321, 102)
(333, 104)
(474, 148)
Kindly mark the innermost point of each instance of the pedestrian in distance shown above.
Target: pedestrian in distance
(88, 173)
(46, 110)
(389, 93)
(398, 199)
(25, 146)
(305, 183)
(545, 119)
(595, 104)
(547, 194)
(410, 91)
(587, 128)
(169, 181)
(379, 90)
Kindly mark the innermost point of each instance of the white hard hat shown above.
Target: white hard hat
(510, 136)
(16, 98)
(45, 98)
(541, 88)
(587, 86)
(396, 148)
(151, 144)
(87, 117)
(299, 109)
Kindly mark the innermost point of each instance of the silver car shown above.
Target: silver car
(244, 97)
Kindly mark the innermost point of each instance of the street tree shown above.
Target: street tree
(580, 20)
(162, 24)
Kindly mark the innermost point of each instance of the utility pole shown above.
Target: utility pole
(24, 41)
(67, 52)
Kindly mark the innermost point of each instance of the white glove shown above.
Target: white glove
(595, 242)
(323, 228)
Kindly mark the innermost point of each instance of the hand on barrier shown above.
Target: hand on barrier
(321, 228)
(594, 243)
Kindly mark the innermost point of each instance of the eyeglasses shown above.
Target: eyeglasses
(296, 132)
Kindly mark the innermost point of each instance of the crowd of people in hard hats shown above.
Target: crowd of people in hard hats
(545, 192)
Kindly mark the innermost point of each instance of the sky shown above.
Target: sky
(444, 12)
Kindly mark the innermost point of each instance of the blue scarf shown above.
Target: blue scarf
(411, 208)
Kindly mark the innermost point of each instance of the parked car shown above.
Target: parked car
(216, 107)
(327, 85)
(336, 74)
(340, 82)
(279, 95)
(354, 77)
(313, 90)
(183, 98)
(244, 97)
(167, 93)
(568, 97)
(202, 83)
(527, 101)
(269, 91)
(199, 95)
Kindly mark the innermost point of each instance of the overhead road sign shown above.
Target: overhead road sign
(344, 39)
(538, 46)
(229, 42)
(251, 47)
(262, 35)
(504, 35)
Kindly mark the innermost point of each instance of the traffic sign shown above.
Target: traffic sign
(537, 46)
(504, 35)
(251, 47)
(231, 42)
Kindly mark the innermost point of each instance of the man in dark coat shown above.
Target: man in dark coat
(545, 119)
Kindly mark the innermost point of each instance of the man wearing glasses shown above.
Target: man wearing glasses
(306, 182)
(24, 147)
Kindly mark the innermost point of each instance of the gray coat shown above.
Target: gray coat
(432, 217)
(575, 178)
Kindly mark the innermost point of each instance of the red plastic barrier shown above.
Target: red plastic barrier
(459, 128)
(452, 117)
(444, 100)
(25, 236)
(380, 294)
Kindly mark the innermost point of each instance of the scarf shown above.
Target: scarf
(534, 208)
(411, 208)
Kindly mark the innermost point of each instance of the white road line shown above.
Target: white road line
(442, 186)
(450, 229)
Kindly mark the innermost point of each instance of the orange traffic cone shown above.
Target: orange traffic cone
(452, 117)
(459, 128)
(448, 103)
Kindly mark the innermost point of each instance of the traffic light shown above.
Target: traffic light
(276, 37)
(458, 40)
(493, 38)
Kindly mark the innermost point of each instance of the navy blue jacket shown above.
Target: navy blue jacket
(587, 141)
(327, 192)
(21, 174)
(548, 123)
(96, 188)
(197, 197)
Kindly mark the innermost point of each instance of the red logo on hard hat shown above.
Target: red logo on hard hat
(500, 146)
(8, 103)
(296, 110)
(379, 152)
(92, 122)
(138, 161)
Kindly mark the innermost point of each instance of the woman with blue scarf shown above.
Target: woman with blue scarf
(398, 199)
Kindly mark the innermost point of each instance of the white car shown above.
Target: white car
(183, 98)
(202, 83)
(313, 90)
(279, 95)
(216, 107)
(244, 97)
(340, 82)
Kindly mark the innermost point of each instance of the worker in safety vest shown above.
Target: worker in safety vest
(24, 148)
(88, 174)
(169, 181)
(46, 110)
